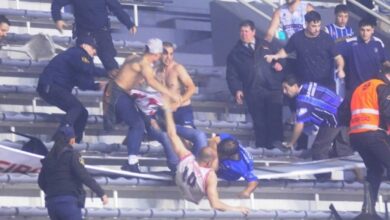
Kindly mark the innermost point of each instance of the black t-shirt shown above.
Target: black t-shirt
(315, 57)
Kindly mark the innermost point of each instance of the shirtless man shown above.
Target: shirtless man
(119, 106)
(195, 176)
(176, 78)
(290, 17)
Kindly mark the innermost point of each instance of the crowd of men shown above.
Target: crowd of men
(320, 69)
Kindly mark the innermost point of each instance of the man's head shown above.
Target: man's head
(88, 43)
(154, 49)
(366, 29)
(342, 14)
(167, 55)
(207, 156)
(313, 24)
(290, 86)
(227, 148)
(4, 26)
(247, 31)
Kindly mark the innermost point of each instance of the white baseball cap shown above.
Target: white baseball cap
(155, 45)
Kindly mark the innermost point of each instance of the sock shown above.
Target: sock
(133, 159)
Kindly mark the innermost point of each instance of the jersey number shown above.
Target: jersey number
(189, 179)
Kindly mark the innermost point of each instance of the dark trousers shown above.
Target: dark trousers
(76, 113)
(266, 113)
(328, 141)
(63, 208)
(374, 148)
(127, 112)
(105, 46)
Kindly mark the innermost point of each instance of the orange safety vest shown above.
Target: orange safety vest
(365, 107)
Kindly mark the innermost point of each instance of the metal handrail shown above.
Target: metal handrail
(382, 4)
(375, 14)
(264, 15)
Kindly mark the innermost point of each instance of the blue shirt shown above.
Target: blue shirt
(92, 14)
(363, 60)
(232, 170)
(73, 67)
(317, 105)
(337, 32)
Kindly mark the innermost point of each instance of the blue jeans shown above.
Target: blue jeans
(76, 113)
(197, 137)
(63, 208)
(127, 112)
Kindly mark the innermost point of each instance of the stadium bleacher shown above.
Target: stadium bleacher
(22, 110)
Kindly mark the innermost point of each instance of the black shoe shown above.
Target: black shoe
(131, 167)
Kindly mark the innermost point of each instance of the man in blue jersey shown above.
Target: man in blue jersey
(235, 162)
(317, 106)
(339, 30)
(363, 54)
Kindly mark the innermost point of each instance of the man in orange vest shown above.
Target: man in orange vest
(369, 126)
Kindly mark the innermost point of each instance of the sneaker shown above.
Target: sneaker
(131, 167)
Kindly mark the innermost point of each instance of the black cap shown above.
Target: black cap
(86, 40)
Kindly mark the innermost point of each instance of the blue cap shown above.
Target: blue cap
(68, 131)
(86, 39)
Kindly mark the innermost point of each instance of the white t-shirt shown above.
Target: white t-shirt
(191, 179)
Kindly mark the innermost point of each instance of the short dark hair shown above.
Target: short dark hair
(248, 23)
(312, 16)
(367, 21)
(4, 19)
(169, 44)
(341, 8)
(228, 147)
(291, 80)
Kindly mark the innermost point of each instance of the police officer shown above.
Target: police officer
(73, 67)
(235, 162)
(370, 118)
(62, 177)
(91, 19)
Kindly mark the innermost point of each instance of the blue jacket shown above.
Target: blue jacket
(73, 67)
(92, 15)
(233, 170)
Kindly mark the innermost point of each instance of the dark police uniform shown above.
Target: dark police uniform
(248, 71)
(73, 67)
(62, 181)
(91, 18)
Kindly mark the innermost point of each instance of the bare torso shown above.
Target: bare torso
(130, 74)
(170, 77)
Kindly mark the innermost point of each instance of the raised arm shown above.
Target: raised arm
(177, 144)
(213, 196)
(273, 26)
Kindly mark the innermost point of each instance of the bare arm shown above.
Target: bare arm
(309, 8)
(273, 26)
(298, 128)
(281, 54)
(249, 189)
(177, 144)
(148, 74)
(213, 197)
(189, 85)
(340, 66)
